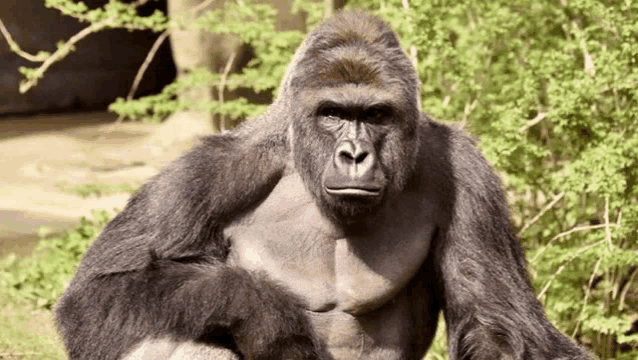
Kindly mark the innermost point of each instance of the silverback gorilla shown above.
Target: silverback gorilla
(335, 226)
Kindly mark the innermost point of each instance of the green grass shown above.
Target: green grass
(28, 333)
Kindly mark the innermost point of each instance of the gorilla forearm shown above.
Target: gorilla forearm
(151, 302)
(182, 301)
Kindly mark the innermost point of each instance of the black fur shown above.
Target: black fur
(158, 269)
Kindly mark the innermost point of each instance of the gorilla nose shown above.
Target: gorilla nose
(354, 159)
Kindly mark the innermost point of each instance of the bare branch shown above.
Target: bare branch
(140, 72)
(540, 117)
(562, 267)
(607, 231)
(543, 211)
(469, 107)
(222, 83)
(587, 293)
(446, 101)
(413, 51)
(590, 69)
(62, 51)
(16, 49)
(623, 293)
(576, 229)
(201, 6)
(138, 3)
(95, 27)
(18, 354)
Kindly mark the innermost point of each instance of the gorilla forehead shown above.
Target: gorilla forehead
(355, 48)
(341, 65)
(352, 28)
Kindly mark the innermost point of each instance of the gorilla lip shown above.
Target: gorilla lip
(352, 191)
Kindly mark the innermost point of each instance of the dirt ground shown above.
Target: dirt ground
(42, 154)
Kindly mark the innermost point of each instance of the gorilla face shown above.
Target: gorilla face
(354, 171)
(353, 180)
(354, 149)
(354, 133)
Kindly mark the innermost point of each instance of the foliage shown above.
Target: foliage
(41, 278)
(154, 108)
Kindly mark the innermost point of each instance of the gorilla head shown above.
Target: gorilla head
(354, 92)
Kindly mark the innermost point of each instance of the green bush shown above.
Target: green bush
(40, 278)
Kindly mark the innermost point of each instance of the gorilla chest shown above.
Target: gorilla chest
(289, 239)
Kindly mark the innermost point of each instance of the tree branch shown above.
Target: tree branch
(542, 212)
(64, 50)
(61, 52)
(140, 72)
(579, 228)
(590, 69)
(222, 85)
(607, 231)
(469, 107)
(540, 117)
(587, 293)
(40, 57)
(413, 51)
(623, 293)
(562, 267)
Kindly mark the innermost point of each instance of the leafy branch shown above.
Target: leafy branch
(39, 57)
(115, 14)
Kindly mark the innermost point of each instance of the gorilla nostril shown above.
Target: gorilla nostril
(360, 158)
(346, 157)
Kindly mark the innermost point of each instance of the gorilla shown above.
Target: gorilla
(335, 226)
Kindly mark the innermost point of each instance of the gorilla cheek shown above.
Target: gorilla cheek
(311, 153)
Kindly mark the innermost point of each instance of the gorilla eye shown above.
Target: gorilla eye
(377, 114)
(330, 111)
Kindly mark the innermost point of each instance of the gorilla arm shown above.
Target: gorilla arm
(489, 305)
(158, 270)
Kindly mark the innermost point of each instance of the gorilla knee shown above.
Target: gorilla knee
(165, 349)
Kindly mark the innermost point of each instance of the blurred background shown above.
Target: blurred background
(96, 96)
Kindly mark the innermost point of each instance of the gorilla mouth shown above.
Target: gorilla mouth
(354, 191)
